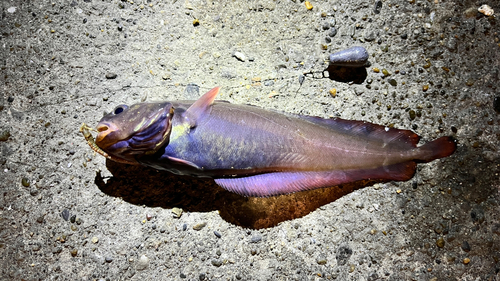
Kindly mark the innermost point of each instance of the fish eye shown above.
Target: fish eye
(119, 109)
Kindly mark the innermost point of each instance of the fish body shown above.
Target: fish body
(257, 152)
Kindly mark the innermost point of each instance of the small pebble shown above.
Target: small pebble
(142, 263)
(95, 240)
(240, 56)
(4, 135)
(332, 32)
(465, 246)
(149, 217)
(393, 82)
(108, 259)
(25, 182)
(184, 227)
(308, 4)
(333, 92)
(74, 252)
(486, 10)
(72, 219)
(377, 7)
(301, 79)
(10, 99)
(385, 72)
(65, 214)
(216, 262)
(466, 261)
(177, 212)
(256, 238)
(216, 233)
(199, 226)
(111, 75)
(440, 242)
(321, 260)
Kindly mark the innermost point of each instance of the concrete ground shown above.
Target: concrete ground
(67, 214)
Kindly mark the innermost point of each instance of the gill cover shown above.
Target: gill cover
(141, 129)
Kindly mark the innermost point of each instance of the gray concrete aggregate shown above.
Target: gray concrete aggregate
(68, 214)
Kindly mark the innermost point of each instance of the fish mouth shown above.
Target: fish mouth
(85, 130)
(104, 129)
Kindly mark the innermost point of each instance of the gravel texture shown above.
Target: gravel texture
(66, 214)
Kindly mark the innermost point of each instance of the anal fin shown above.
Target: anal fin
(271, 184)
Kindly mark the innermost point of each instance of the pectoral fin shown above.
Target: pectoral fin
(183, 162)
(272, 184)
(200, 108)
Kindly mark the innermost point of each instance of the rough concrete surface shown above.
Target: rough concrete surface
(68, 62)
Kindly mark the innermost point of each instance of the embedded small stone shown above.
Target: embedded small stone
(440, 242)
(333, 92)
(74, 252)
(321, 260)
(199, 226)
(308, 4)
(216, 262)
(4, 135)
(486, 10)
(377, 7)
(111, 75)
(65, 214)
(95, 240)
(177, 212)
(256, 238)
(466, 261)
(240, 56)
(25, 182)
(142, 263)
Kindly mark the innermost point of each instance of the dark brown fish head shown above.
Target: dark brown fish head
(130, 132)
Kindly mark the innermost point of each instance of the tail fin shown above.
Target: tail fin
(439, 148)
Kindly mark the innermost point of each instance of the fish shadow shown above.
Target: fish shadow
(140, 185)
(343, 74)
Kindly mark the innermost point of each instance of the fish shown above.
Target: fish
(257, 152)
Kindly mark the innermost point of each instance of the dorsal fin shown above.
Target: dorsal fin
(389, 135)
(200, 108)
